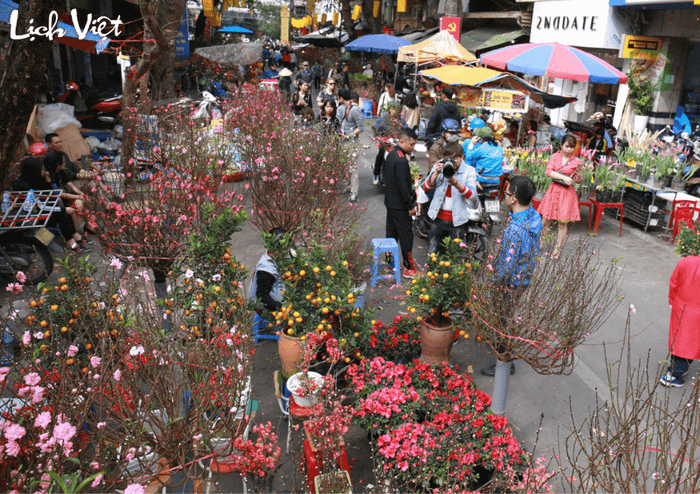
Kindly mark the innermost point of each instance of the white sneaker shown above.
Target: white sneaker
(375, 180)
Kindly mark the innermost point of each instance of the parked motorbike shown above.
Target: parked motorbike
(101, 108)
(21, 250)
(490, 206)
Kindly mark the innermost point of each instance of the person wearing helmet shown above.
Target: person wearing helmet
(450, 133)
(484, 154)
(443, 110)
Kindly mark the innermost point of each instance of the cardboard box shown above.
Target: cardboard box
(74, 144)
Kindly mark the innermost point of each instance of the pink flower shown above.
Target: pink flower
(26, 338)
(43, 420)
(72, 351)
(64, 431)
(135, 489)
(95, 361)
(14, 288)
(32, 379)
(490, 267)
(632, 309)
(14, 432)
(12, 448)
(97, 481)
(21, 277)
(116, 263)
(117, 375)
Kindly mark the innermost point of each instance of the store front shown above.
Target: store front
(593, 26)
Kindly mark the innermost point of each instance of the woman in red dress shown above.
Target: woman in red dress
(560, 202)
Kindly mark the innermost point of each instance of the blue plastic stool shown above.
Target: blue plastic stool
(387, 246)
(258, 325)
(367, 108)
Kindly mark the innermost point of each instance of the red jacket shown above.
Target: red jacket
(684, 297)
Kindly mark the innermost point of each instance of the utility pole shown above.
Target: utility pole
(453, 8)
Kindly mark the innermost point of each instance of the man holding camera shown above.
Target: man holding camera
(454, 183)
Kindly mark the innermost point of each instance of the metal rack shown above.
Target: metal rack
(45, 203)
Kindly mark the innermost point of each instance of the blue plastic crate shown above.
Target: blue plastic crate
(101, 135)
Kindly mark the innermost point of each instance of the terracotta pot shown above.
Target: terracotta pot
(291, 352)
(436, 339)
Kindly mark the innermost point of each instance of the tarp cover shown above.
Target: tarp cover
(235, 54)
(439, 48)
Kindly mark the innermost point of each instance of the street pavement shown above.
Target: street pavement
(646, 261)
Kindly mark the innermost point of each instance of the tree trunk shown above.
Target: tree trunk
(168, 15)
(348, 23)
(22, 71)
(453, 8)
(153, 51)
(375, 23)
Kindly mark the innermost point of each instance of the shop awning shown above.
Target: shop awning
(483, 38)
(91, 42)
(459, 75)
(441, 48)
(654, 4)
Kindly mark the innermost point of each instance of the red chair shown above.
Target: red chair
(590, 207)
(599, 207)
(674, 207)
(685, 215)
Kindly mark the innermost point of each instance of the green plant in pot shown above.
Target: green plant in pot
(641, 94)
(444, 288)
(688, 241)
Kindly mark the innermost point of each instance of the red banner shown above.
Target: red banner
(451, 24)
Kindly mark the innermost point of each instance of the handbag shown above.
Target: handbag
(559, 181)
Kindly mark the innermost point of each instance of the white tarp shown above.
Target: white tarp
(235, 54)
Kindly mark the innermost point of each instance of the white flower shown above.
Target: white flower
(189, 273)
(632, 309)
(216, 277)
(136, 350)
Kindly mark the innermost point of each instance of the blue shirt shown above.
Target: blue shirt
(270, 74)
(520, 248)
(487, 159)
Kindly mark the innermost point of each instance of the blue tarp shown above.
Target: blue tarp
(377, 43)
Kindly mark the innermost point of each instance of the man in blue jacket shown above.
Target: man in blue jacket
(520, 246)
(485, 155)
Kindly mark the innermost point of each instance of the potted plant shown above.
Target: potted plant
(641, 96)
(688, 241)
(305, 387)
(445, 287)
(587, 181)
(397, 342)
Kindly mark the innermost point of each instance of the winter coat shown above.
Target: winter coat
(684, 297)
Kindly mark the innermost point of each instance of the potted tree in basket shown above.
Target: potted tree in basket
(444, 288)
(641, 96)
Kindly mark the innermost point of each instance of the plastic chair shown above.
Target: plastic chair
(367, 108)
(590, 207)
(687, 215)
(259, 323)
(674, 207)
(599, 207)
(386, 246)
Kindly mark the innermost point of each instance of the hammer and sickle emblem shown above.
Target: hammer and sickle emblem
(452, 27)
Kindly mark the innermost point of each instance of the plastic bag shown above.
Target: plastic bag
(51, 117)
(93, 143)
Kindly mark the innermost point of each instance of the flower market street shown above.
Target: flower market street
(646, 260)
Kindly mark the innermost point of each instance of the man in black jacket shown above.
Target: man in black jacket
(399, 199)
(445, 109)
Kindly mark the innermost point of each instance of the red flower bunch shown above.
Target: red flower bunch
(433, 428)
(398, 342)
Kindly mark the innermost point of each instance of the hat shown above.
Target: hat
(305, 63)
(37, 149)
(285, 72)
(484, 132)
(346, 94)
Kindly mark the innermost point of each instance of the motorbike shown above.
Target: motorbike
(490, 206)
(475, 236)
(100, 108)
(23, 251)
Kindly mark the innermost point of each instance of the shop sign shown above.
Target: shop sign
(452, 25)
(590, 24)
(284, 26)
(643, 47)
(182, 42)
(494, 99)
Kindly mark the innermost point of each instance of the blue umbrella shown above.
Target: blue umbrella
(377, 43)
(235, 29)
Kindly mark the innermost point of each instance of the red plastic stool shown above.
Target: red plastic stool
(599, 207)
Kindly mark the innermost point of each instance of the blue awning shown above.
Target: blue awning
(90, 42)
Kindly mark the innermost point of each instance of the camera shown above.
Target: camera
(448, 171)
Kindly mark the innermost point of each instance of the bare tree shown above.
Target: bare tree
(156, 47)
(167, 15)
(22, 70)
